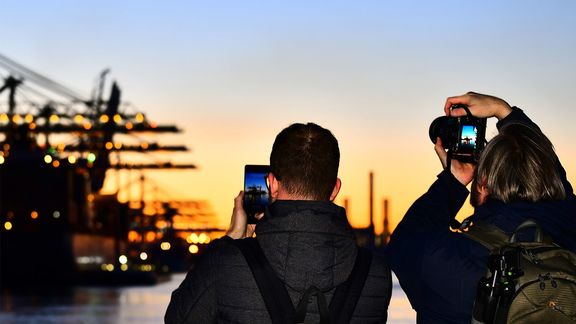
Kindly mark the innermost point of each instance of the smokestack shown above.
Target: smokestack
(371, 194)
(386, 231)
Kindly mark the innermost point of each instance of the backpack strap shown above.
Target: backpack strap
(348, 293)
(277, 299)
(490, 236)
(275, 295)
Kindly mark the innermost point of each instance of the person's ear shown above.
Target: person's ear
(336, 189)
(273, 186)
(482, 194)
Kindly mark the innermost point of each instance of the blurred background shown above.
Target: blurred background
(229, 75)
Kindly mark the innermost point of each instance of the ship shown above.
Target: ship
(56, 226)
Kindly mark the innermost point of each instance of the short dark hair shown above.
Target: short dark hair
(305, 159)
(520, 164)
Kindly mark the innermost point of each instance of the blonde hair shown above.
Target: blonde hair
(520, 164)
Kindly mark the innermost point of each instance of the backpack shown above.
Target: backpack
(277, 299)
(526, 281)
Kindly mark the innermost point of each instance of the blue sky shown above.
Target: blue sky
(234, 73)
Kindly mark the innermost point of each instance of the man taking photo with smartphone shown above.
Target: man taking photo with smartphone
(308, 249)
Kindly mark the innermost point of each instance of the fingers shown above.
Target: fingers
(239, 199)
(457, 100)
(441, 152)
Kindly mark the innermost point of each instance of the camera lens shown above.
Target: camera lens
(440, 127)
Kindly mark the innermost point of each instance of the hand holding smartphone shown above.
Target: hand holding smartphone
(256, 191)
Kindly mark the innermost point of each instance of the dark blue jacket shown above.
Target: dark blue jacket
(439, 269)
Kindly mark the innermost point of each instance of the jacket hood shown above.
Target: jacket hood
(308, 243)
(557, 218)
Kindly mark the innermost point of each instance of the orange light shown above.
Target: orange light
(104, 119)
(34, 215)
(134, 236)
(17, 119)
(150, 236)
(145, 145)
(109, 145)
(129, 125)
(56, 163)
(32, 126)
(87, 126)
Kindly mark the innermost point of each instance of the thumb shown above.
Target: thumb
(441, 152)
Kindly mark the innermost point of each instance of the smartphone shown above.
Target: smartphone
(256, 191)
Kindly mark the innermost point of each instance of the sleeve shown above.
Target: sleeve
(194, 301)
(426, 222)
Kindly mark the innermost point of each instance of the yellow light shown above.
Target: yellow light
(61, 147)
(104, 119)
(193, 249)
(71, 159)
(109, 145)
(165, 246)
(56, 163)
(47, 159)
(123, 259)
(117, 118)
(78, 119)
(202, 238)
(124, 267)
(109, 267)
(2, 160)
(8, 226)
(129, 125)
(118, 145)
(143, 256)
(29, 118)
(54, 118)
(34, 215)
(139, 117)
(194, 238)
(4, 118)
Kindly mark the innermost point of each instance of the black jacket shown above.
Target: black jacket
(439, 269)
(307, 243)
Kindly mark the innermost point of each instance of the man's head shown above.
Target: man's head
(517, 164)
(304, 163)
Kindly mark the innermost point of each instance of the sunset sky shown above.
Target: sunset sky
(233, 74)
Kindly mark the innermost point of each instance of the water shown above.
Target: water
(126, 305)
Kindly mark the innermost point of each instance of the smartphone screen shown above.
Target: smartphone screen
(256, 192)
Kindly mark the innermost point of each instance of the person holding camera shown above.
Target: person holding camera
(516, 177)
(309, 250)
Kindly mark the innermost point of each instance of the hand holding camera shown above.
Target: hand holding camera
(480, 106)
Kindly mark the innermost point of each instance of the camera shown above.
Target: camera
(464, 137)
(256, 191)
